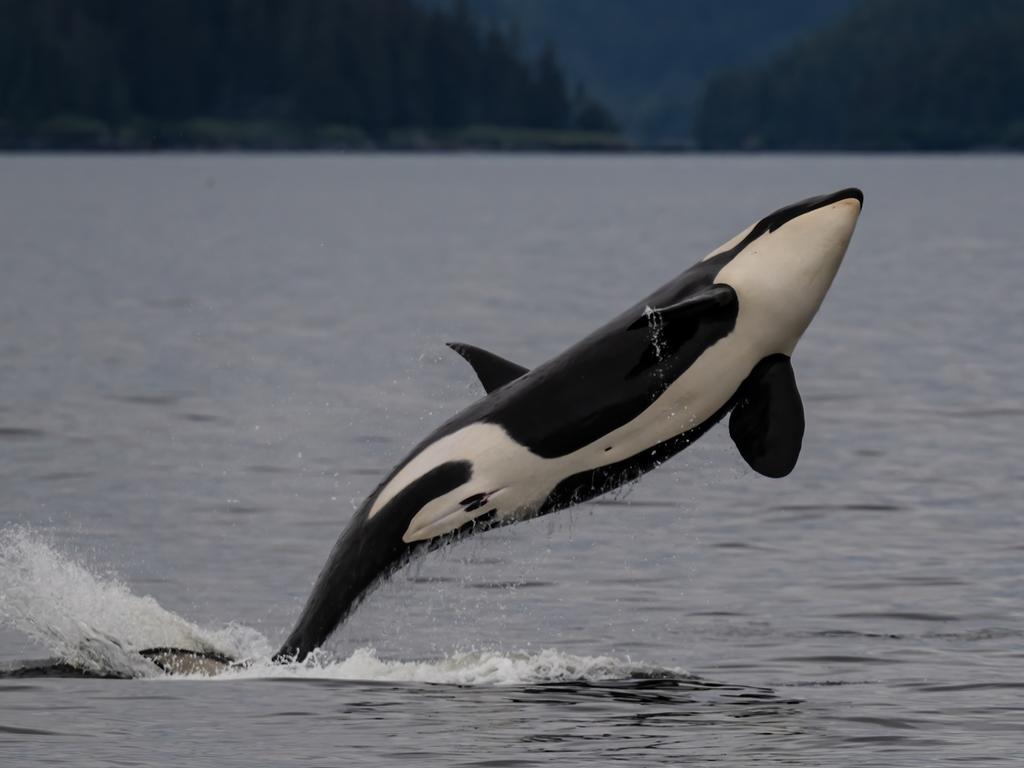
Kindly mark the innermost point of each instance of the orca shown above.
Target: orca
(716, 340)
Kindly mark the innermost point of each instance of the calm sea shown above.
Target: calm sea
(207, 361)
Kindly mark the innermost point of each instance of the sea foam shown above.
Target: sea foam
(93, 621)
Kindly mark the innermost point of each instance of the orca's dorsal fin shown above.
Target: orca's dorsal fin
(493, 371)
(714, 297)
(767, 423)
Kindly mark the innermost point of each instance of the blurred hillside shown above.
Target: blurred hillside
(648, 60)
(512, 74)
(914, 74)
(277, 74)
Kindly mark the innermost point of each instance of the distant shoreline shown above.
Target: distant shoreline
(632, 151)
(75, 134)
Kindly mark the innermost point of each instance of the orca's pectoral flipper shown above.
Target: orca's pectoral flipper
(493, 371)
(767, 423)
(718, 296)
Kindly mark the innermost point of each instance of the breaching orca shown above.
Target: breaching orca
(717, 338)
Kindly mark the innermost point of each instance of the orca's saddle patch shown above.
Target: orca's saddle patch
(767, 423)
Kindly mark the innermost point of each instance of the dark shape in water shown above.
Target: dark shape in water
(178, 661)
(173, 661)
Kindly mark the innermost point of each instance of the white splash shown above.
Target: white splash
(461, 668)
(94, 622)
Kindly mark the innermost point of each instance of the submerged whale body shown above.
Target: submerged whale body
(716, 339)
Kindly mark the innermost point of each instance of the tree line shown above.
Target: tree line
(908, 75)
(278, 73)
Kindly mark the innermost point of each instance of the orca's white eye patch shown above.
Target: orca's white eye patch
(441, 480)
(447, 514)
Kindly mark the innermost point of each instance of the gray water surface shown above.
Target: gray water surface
(206, 362)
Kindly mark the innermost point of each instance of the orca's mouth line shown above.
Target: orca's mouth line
(774, 221)
(790, 212)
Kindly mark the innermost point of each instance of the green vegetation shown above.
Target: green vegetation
(649, 59)
(496, 137)
(277, 74)
(915, 74)
(482, 74)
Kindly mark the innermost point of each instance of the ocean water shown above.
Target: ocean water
(206, 362)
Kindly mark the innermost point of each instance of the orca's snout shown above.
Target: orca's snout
(779, 218)
(850, 193)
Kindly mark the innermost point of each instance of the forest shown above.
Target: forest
(871, 75)
(279, 74)
(908, 75)
(648, 60)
